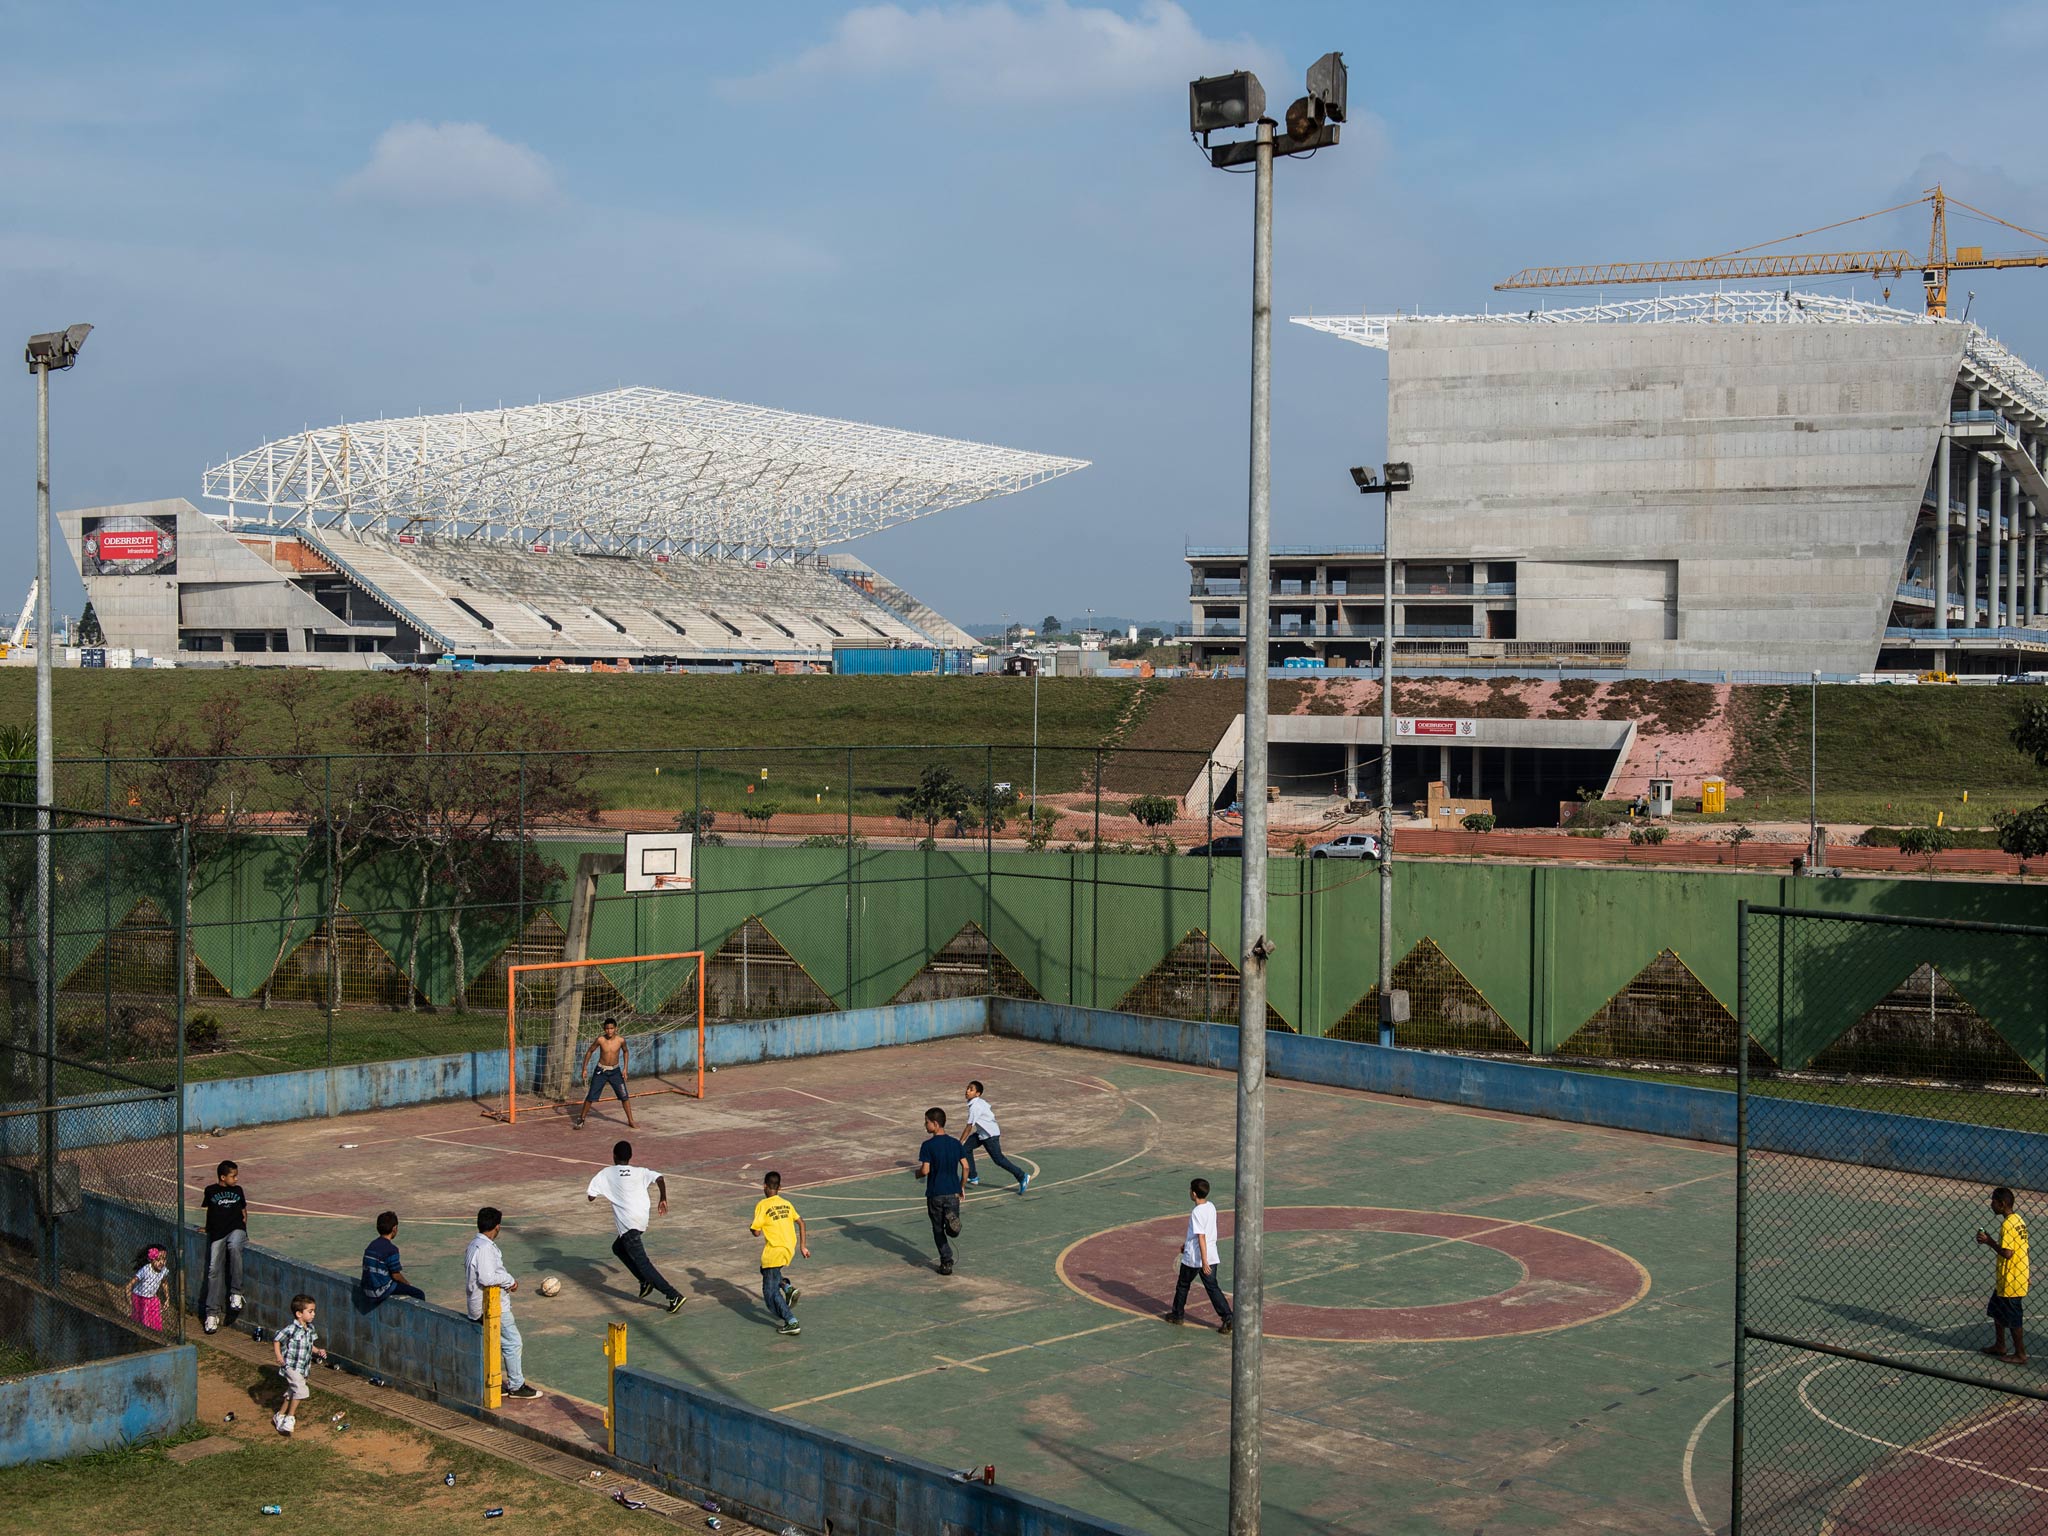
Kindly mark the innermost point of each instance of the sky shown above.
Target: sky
(983, 220)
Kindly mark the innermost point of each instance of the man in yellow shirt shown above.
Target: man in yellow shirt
(783, 1237)
(2008, 1278)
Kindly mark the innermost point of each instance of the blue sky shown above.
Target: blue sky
(983, 220)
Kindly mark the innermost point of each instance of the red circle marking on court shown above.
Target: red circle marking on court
(1565, 1280)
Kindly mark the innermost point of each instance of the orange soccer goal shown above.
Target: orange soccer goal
(555, 1012)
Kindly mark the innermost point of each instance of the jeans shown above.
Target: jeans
(944, 1211)
(510, 1345)
(398, 1288)
(607, 1077)
(994, 1146)
(223, 1272)
(632, 1252)
(771, 1292)
(1188, 1275)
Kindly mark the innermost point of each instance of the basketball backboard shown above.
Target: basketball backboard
(658, 861)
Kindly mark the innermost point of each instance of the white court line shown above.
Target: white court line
(1913, 1450)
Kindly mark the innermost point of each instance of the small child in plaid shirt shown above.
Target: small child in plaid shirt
(295, 1351)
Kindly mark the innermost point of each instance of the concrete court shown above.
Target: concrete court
(1420, 1250)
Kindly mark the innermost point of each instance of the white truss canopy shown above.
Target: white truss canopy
(1983, 353)
(631, 469)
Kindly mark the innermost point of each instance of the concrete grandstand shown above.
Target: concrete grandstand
(1725, 483)
(638, 526)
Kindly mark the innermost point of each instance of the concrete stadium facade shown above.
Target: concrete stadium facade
(1743, 487)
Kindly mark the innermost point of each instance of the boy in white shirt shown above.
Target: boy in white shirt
(625, 1186)
(482, 1265)
(983, 1131)
(1198, 1256)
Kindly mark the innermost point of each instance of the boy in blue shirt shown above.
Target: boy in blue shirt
(942, 1164)
(383, 1275)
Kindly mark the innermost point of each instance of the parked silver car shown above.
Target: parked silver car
(1352, 845)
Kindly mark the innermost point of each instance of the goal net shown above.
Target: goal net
(555, 1011)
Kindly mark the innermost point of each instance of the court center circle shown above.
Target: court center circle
(1564, 1281)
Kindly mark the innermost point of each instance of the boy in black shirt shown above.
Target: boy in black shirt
(942, 1164)
(227, 1229)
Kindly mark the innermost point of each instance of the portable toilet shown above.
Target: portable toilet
(1660, 797)
(1713, 796)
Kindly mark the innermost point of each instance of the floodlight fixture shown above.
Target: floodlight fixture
(1225, 101)
(56, 349)
(1400, 476)
(1365, 479)
(1328, 85)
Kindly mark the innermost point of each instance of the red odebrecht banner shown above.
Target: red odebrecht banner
(1411, 725)
(138, 545)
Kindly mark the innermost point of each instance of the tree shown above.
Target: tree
(760, 812)
(461, 783)
(89, 631)
(1153, 811)
(701, 822)
(939, 796)
(2025, 833)
(1049, 625)
(193, 773)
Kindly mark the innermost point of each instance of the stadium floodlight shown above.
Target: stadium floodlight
(1225, 101)
(49, 350)
(1400, 475)
(1328, 84)
(1365, 479)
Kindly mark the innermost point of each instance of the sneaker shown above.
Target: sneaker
(235, 1302)
(288, 1425)
(945, 1269)
(213, 1325)
(645, 1288)
(1172, 1317)
(971, 1183)
(675, 1304)
(1023, 1183)
(791, 1294)
(790, 1329)
(277, 1422)
(525, 1391)
(1224, 1326)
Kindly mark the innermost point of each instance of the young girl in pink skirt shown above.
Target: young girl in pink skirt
(144, 1304)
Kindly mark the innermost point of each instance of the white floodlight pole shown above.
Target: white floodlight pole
(1249, 1229)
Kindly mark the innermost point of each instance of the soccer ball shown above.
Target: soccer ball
(551, 1286)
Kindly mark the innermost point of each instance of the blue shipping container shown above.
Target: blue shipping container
(883, 663)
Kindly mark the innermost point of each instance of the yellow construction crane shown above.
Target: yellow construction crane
(1934, 270)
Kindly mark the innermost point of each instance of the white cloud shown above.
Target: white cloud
(1020, 53)
(431, 165)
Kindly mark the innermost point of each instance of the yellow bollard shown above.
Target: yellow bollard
(614, 1357)
(494, 1359)
(1941, 818)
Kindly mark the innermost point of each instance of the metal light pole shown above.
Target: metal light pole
(1397, 477)
(1813, 773)
(1239, 101)
(48, 350)
(1035, 669)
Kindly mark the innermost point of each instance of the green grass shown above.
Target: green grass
(1889, 756)
(380, 1477)
(666, 717)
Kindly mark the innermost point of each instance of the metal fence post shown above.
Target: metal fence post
(849, 878)
(519, 853)
(331, 879)
(46, 1028)
(1735, 1424)
(988, 862)
(697, 834)
(178, 1095)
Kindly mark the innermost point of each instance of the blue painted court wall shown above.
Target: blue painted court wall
(97, 1406)
(285, 1096)
(773, 1470)
(1945, 1149)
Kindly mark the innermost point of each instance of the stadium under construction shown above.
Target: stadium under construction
(637, 526)
(1725, 483)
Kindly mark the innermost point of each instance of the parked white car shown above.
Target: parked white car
(1352, 845)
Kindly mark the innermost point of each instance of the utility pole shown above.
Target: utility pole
(1239, 101)
(1813, 853)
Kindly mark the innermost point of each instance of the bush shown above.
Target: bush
(1919, 841)
(1651, 835)
(833, 840)
(1739, 835)
(1153, 810)
(2024, 833)
(1038, 828)
(1479, 821)
(203, 1032)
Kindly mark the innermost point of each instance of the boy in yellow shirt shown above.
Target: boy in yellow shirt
(2008, 1278)
(783, 1237)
